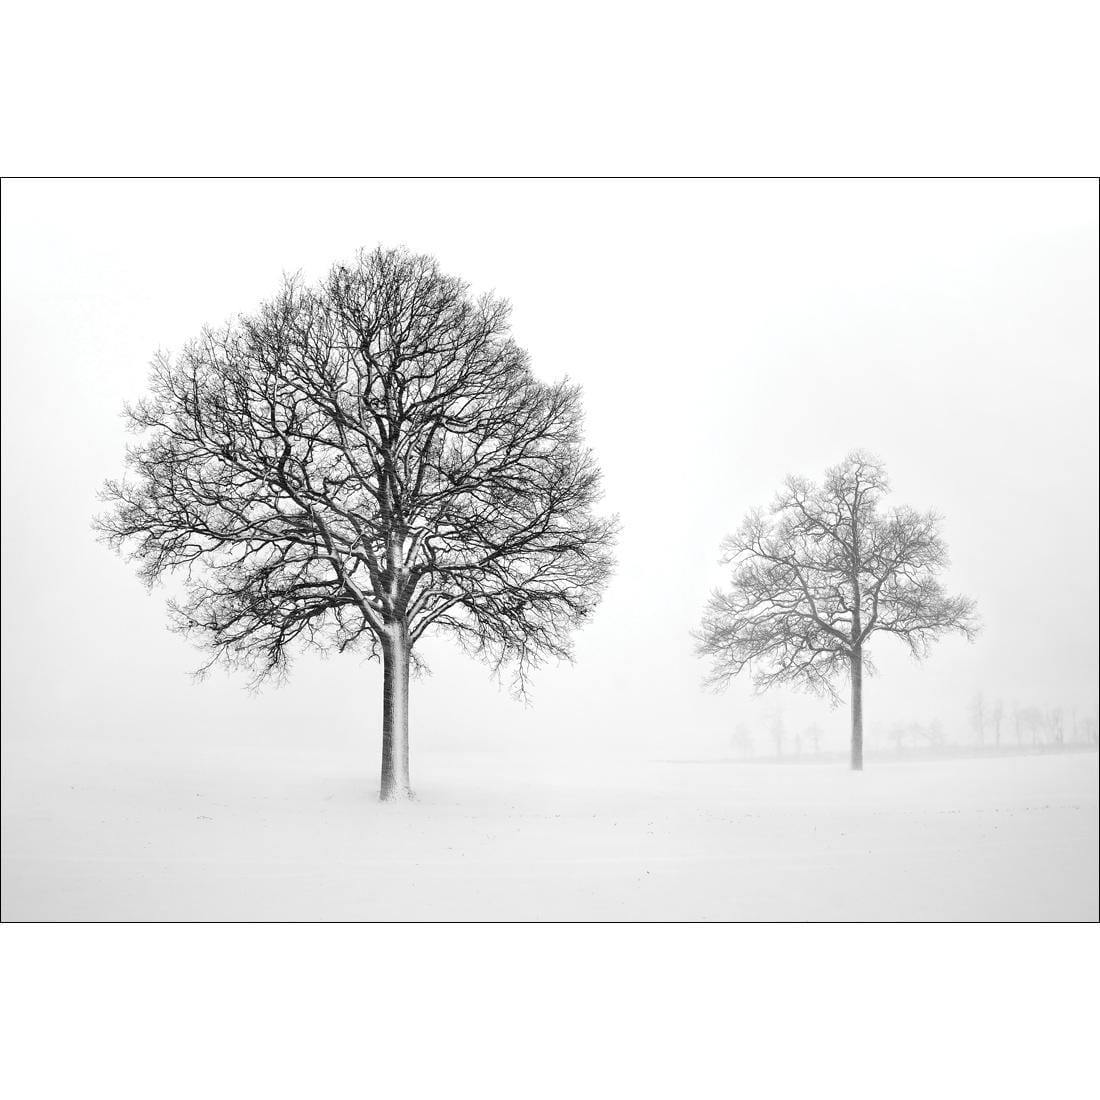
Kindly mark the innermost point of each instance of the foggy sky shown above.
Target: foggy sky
(725, 334)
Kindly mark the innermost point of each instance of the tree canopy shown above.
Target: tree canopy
(361, 460)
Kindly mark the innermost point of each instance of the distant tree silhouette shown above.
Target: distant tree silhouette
(820, 573)
(1019, 722)
(996, 717)
(932, 733)
(1092, 730)
(360, 462)
(1056, 723)
(898, 733)
(742, 740)
(936, 735)
(1031, 719)
(813, 732)
(978, 718)
(778, 732)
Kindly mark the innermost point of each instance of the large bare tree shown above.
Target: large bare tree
(357, 463)
(817, 575)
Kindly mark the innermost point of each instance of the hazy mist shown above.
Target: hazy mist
(725, 334)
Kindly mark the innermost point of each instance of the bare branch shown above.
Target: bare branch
(369, 452)
(819, 574)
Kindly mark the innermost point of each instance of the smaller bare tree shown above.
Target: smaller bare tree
(820, 573)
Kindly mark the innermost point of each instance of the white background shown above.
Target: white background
(905, 1011)
(486, 88)
(762, 1010)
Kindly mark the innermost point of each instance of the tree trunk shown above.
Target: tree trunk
(857, 710)
(395, 714)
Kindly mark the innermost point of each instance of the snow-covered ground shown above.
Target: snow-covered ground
(229, 834)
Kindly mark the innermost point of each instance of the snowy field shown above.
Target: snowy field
(511, 836)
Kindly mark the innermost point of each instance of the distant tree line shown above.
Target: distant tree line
(993, 727)
(1031, 725)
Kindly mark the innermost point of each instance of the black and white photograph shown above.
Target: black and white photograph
(462, 552)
